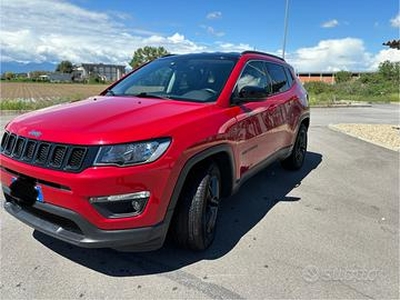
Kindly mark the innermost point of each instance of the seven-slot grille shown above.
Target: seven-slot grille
(43, 154)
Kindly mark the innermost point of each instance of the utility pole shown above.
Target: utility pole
(285, 28)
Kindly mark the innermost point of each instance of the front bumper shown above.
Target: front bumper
(73, 191)
(68, 226)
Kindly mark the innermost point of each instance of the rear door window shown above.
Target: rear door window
(280, 82)
(289, 76)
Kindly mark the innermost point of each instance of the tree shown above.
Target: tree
(394, 44)
(389, 70)
(9, 75)
(342, 76)
(65, 67)
(146, 54)
(35, 75)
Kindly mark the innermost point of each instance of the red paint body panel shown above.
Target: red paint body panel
(253, 131)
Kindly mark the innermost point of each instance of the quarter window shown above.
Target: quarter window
(279, 80)
(289, 76)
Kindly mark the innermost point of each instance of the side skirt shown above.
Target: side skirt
(279, 155)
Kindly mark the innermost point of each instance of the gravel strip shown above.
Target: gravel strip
(384, 135)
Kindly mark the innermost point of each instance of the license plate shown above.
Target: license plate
(26, 191)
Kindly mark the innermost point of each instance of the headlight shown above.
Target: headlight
(130, 154)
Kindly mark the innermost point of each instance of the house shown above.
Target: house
(59, 77)
(105, 72)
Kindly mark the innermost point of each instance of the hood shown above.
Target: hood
(105, 120)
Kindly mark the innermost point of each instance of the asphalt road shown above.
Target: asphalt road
(330, 230)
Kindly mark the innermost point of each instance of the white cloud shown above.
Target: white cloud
(51, 31)
(383, 55)
(212, 31)
(330, 24)
(214, 15)
(229, 47)
(395, 22)
(45, 30)
(331, 55)
(339, 54)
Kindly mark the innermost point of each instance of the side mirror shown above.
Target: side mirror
(250, 93)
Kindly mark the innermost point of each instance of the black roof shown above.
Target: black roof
(263, 53)
(226, 55)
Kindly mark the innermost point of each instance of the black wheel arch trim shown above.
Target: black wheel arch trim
(303, 118)
(190, 163)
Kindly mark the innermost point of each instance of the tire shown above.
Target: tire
(296, 159)
(194, 222)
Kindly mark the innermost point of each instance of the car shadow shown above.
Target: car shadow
(238, 215)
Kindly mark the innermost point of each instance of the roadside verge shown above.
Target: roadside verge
(383, 135)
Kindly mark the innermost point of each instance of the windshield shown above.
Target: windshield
(187, 78)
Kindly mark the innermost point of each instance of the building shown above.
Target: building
(59, 77)
(328, 77)
(104, 72)
(56, 77)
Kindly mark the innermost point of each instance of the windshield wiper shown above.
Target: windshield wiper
(148, 95)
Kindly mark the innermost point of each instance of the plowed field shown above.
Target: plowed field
(37, 92)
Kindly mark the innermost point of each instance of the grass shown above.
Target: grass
(35, 95)
(24, 104)
(320, 99)
(32, 96)
(332, 98)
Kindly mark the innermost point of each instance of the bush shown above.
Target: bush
(342, 76)
(382, 86)
(390, 71)
(318, 87)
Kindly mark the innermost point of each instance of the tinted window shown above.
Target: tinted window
(279, 80)
(289, 76)
(254, 74)
(187, 78)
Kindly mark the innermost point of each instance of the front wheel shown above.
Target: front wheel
(296, 159)
(195, 218)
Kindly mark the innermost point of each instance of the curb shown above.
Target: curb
(334, 128)
(341, 105)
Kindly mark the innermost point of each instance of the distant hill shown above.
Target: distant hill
(17, 67)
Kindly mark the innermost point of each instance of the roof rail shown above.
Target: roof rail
(169, 54)
(263, 53)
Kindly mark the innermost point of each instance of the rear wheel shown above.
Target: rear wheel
(196, 214)
(296, 159)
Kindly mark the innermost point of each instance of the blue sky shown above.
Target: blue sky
(322, 35)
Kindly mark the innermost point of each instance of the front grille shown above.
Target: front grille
(10, 144)
(57, 157)
(75, 158)
(69, 158)
(19, 147)
(42, 154)
(29, 150)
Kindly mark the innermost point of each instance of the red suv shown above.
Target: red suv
(155, 152)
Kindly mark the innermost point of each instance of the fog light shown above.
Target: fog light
(137, 205)
(122, 197)
(121, 206)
